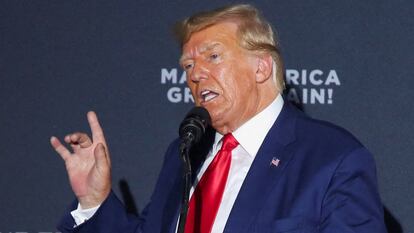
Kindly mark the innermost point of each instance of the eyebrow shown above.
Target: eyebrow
(203, 49)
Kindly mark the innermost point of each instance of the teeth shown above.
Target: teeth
(208, 95)
(203, 93)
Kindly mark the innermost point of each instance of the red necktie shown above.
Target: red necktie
(207, 196)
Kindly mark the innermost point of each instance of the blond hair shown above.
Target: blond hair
(254, 32)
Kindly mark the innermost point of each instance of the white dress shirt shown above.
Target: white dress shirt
(250, 137)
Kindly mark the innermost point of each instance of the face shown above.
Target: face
(222, 76)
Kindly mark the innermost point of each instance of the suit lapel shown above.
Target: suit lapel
(263, 175)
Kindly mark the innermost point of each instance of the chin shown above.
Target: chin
(223, 130)
(219, 125)
(215, 122)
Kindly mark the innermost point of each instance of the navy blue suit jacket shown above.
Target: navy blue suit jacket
(325, 182)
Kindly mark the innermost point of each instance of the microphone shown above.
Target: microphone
(194, 126)
(191, 131)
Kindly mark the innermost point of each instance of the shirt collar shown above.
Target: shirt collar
(258, 127)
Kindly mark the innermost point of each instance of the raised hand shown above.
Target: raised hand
(89, 166)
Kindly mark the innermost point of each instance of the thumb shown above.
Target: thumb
(101, 156)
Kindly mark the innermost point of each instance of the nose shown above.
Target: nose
(198, 73)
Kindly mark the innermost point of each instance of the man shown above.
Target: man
(279, 171)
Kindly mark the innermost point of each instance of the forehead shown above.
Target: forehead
(218, 34)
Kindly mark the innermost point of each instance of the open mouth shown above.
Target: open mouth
(207, 95)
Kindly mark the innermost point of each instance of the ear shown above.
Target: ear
(264, 68)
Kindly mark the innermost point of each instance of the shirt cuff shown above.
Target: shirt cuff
(81, 215)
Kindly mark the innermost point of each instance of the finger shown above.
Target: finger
(81, 139)
(101, 157)
(78, 138)
(97, 132)
(67, 139)
(107, 156)
(60, 149)
(75, 148)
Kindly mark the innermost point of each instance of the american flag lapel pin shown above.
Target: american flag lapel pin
(275, 162)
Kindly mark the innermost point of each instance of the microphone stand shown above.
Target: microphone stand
(191, 130)
(185, 155)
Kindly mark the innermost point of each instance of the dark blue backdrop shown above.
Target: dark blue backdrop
(348, 62)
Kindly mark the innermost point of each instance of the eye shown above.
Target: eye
(214, 56)
(188, 66)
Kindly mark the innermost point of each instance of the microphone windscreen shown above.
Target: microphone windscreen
(200, 113)
(194, 124)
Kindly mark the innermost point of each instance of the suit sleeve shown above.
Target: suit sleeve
(111, 217)
(352, 202)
